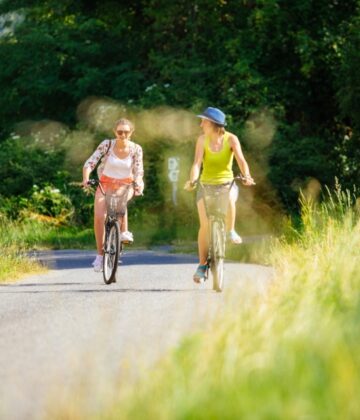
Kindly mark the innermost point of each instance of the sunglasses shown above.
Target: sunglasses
(120, 132)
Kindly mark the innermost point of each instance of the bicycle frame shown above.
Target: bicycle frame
(116, 206)
(216, 200)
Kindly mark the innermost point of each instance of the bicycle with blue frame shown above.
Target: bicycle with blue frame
(116, 206)
(216, 200)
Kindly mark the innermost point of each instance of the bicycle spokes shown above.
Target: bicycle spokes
(111, 252)
(217, 253)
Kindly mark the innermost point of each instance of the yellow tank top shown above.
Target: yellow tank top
(217, 166)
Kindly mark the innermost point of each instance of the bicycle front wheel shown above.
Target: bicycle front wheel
(217, 254)
(111, 252)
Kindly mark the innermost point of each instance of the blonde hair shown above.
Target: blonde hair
(219, 128)
(124, 121)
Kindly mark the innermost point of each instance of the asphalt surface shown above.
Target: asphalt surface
(67, 338)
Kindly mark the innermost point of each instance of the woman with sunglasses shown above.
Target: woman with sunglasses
(214, 153)
(122, 163)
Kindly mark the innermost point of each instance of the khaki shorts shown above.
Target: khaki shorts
(234, 192)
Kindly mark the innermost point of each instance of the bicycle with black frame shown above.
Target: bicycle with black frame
(216, 199)
(116, 206)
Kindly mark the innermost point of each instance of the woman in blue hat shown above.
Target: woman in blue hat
(215, 150)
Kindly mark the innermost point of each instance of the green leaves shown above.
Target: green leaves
(298, 59)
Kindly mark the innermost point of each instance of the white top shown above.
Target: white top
(118, 168)
(103, 151)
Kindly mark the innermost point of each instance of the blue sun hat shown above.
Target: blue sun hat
(214, 115)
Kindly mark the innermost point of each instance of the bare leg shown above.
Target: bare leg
(231, 215)
(99, 219)
(124, 220)
(203, 236)
(230, 222)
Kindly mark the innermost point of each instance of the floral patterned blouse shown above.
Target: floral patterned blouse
(103, 150)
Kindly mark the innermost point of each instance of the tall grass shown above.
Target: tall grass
(14, 262)
(294, 354)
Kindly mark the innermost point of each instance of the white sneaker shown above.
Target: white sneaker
(234, 237)
(126, 237)
(98, 263)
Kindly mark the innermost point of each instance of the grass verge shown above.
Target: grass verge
(14, 266)
(40, 233)
(16, 238)
(14, 263)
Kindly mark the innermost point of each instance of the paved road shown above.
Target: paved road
(65, 334)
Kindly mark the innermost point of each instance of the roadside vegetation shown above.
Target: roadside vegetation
(18, 238)
(294, 353)
(37, 232)
(14, 262)
(286, 75)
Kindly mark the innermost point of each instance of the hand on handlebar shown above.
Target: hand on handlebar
(246, 180)
(87, 184)
(138, 190)
(190, 186)
(138, 187)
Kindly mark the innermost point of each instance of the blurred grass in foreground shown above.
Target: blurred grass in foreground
(293, 354)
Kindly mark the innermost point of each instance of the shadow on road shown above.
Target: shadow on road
(73, 259)
(98, 291)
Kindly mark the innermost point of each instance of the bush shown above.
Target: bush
(23, 164)
(49, 201)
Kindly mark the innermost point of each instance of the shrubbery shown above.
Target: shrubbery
(294, 60)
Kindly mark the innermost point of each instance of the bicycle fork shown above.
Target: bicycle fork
(208, 260)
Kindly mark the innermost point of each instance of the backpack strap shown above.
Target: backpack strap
(102, 160)
(109, 145)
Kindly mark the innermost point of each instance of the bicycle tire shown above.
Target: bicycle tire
(218, 254)
(111, 252)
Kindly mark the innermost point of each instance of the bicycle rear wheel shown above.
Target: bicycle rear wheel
(217, 254)
(111, 252)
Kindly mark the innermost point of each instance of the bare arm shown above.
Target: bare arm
(195, 169)
(138, 168)
(86, 175)
(91, 163)
(240, 159)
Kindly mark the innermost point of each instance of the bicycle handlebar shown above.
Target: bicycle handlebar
(97, 182)
(240, 177)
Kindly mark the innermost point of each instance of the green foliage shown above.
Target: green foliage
(10, 207)
(348, 80)
(297, 59)
(50, 201)
(23, 164)
(348, 85)
(296, 159)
